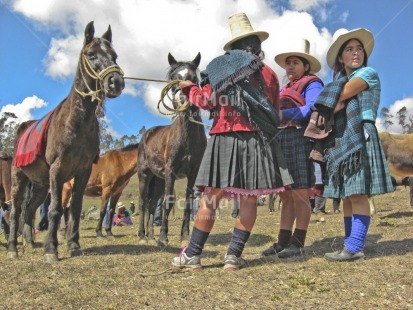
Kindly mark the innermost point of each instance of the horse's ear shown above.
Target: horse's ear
(171, 59)
(108, 34)
(197, 60)
(89, 33)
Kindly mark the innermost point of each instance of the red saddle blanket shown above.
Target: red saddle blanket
(32, 142)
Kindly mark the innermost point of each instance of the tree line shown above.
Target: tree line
(9, 125)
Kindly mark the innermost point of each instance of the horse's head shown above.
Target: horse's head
(180, 70)
(98, 67)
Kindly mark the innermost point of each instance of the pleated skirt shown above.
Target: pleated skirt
(373, 177)
(243, 163)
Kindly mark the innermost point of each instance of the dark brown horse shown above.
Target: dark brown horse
(109, 177)
(72, 146)
(169, 153)
(5, 188)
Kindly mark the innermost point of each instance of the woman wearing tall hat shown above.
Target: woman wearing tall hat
(242, 160)
(296, 99)
(356, 165)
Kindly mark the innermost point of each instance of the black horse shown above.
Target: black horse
(169, 153)
(72, 146)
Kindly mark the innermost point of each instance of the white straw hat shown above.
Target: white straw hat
(120, 205)
(240, 28)
(304, 52)
(342, 35)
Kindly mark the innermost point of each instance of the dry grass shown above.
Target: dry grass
(122, 274)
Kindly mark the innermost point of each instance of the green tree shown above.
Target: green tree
(8, 127)
(402, 115)
(385, 113)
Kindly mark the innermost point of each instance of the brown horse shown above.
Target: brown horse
(398, 149)
(109, 177)
(72, 146)
(5, 188)
(169, 153)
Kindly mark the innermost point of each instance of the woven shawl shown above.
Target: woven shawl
(229, 76)
(344, 144)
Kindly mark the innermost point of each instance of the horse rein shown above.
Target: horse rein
(98, 77)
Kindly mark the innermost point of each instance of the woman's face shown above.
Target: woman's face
(295, 68)
(352, 57)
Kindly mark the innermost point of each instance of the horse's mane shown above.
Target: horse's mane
(130, 147)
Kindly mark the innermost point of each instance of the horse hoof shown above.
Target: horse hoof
(76, 252)
(12, 255)
(50, 258)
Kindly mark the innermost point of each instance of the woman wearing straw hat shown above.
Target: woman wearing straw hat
(356, 165)
(296, 99)
(241, 161)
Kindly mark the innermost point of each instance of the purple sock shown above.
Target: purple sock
(198, 239)
(238, 240)
(360, 226)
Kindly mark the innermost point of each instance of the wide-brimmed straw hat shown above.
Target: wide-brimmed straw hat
(302, 51)
(240, 28)
(120, 205)
(342, 35)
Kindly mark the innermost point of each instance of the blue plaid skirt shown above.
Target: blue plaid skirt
(373, 178)
(243, 163)
(296, 149)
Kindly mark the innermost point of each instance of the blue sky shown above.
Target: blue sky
(41, 41)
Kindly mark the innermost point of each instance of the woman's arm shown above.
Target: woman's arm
(350, 89)
(200, 97)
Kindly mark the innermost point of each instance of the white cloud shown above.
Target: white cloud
(23, 110)
(305, 5)
(145, 31)
(393, 109)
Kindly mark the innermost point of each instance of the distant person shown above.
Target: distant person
(122, 216)
(132, 207)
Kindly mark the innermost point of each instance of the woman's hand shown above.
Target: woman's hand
(184, 84)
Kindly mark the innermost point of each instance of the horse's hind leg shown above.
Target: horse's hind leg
(18, 190)
(36, 196)
(113, 201)
(104, 210)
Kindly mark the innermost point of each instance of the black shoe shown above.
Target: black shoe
(290, 251)
(272, 250)
(344, 256)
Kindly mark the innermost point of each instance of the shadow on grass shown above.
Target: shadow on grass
(397, 215)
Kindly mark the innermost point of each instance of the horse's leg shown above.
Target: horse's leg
(55, 214)
(66, 200)
(18, 191)
(105, 201)
(113, 201)
(75, 210)
(37, 195)
(189, 198)
(144, 180)
(156, 194)
(168, 205)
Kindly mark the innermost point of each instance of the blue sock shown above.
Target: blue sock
(360, 226)
(238, 240)
(198, 239)
(347, 226)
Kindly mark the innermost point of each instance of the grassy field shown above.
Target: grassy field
(123, 274)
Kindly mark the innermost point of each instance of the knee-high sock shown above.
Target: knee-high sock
(284, 237)
(238, 240)
(298, 238)
(347, 226)
(197, 242)
(359, 228)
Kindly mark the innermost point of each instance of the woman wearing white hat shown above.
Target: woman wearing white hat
(296, 99)
(241, 159)
(356, 164)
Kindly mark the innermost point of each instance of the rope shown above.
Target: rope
(142, 79)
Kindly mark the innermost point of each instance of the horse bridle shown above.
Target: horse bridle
(98, 77)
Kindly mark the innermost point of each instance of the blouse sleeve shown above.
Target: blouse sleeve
(369, 75)
(200, 97)
(303, 113)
